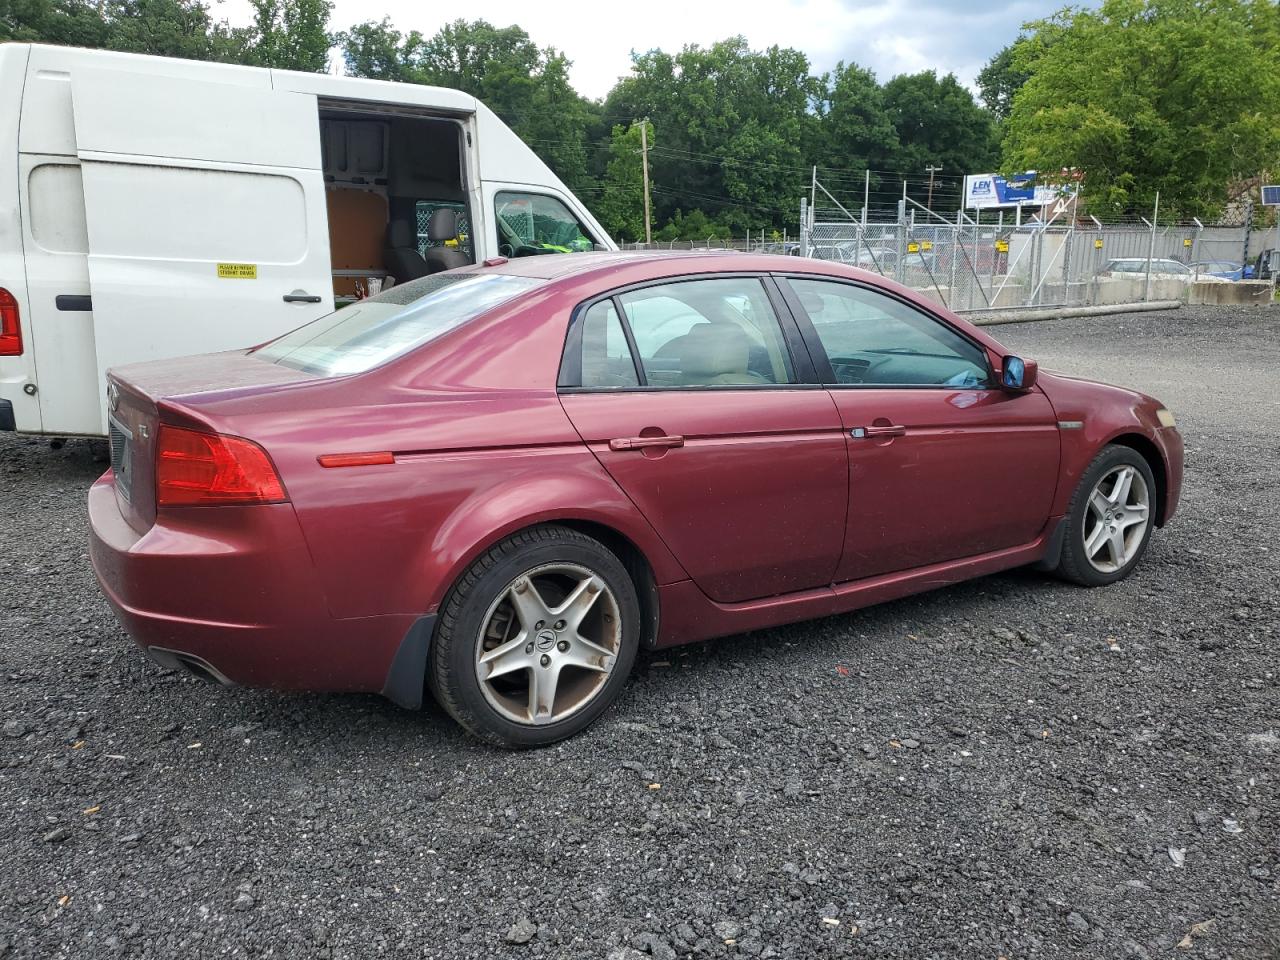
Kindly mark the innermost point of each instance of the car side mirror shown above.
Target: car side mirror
(1018, 374)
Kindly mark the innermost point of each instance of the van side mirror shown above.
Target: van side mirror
(1018, 374)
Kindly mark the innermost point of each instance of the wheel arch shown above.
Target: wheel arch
(1149, 452)
(591, 506)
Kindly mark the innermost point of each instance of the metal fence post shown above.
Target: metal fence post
(804, 223)
(1151, 250)
(1195, 247)
(902, 234)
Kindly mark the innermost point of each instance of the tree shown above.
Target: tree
(378, 51)
(855, 131)
(732, 124)
(70, 22)
(621, 205)
(1000, 79)
(527, 86)
(289, 35)
(938, 123)
(166, 28)
(1143, 95)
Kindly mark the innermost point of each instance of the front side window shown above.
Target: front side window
(871, 338)
(374, 331)
(693, 333)
(530, 224)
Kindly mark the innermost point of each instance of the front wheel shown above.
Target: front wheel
(1110, 519)
(536, 639)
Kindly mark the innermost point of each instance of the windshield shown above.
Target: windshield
(371, 332)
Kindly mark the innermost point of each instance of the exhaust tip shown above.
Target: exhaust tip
(189, 664)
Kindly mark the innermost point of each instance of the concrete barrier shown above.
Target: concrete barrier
(1241, 292)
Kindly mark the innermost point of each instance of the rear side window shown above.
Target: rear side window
(374, 331)
(606, 358)
(718, 332)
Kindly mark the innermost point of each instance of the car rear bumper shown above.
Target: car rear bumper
(234, 601)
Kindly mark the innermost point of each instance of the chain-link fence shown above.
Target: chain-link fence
(971, 265)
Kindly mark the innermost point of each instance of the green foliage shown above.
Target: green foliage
(733, 124)
(854, 130)
(378, 51)
(1177, 96)
(289, 35)
(938, 122)
(620, 208)
(1000, 79)
(527, 86)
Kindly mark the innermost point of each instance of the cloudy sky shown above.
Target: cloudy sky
(889, 36)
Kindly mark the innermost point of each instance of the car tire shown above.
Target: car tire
(1105, 538)
(542, 569)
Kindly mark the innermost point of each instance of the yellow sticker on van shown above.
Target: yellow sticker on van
(237, 271)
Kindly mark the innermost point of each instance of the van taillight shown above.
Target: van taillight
(195, 469)
(10, 327)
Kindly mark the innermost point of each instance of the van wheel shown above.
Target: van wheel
(1110, 519)
(536, 639)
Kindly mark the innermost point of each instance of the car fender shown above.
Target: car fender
(579, 492)
(1091, 416)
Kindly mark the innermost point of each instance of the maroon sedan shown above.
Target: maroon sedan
(500, 482)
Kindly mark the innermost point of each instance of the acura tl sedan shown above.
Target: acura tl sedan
(500, 482)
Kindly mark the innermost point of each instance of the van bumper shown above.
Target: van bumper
(7, 421)
(231, 596)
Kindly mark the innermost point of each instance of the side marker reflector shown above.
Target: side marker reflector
(355, 459)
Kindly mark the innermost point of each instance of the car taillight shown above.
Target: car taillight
(195, 469)
(10, 326)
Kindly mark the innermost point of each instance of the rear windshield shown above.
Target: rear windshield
(371, 332)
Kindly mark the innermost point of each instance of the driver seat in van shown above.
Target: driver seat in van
(443, 226)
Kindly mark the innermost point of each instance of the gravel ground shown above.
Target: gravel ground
(1013, 767)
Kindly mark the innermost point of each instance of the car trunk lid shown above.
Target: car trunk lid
(142, 396)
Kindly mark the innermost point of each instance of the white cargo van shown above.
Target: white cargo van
(152, 207)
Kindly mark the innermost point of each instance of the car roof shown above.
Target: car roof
(561, 265)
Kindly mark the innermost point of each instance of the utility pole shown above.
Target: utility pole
(931, 169)
(644, 163)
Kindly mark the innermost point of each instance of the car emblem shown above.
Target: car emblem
(546, 640)
(113, 396)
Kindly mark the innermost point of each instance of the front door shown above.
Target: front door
(942, 464)
(689, 395)
(205, 210)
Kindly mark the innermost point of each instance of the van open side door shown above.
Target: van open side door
(206, 216)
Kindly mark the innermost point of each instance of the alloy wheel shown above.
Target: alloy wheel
(1116, 521)
(549, 643)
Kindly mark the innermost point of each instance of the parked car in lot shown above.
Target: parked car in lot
(1222, 269)
(1129, 266)
(500, 482)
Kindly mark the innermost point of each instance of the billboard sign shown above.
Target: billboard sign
(986, 190)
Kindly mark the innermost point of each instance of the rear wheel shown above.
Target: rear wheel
(536, 639)
(1110, 519)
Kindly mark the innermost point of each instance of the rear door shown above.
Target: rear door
(718, 433)
(942, 464)
(205, 214)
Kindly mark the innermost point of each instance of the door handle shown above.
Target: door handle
(892, 430)
(301, 298)
(643, 443)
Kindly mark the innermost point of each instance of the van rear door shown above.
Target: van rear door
(205, 210)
